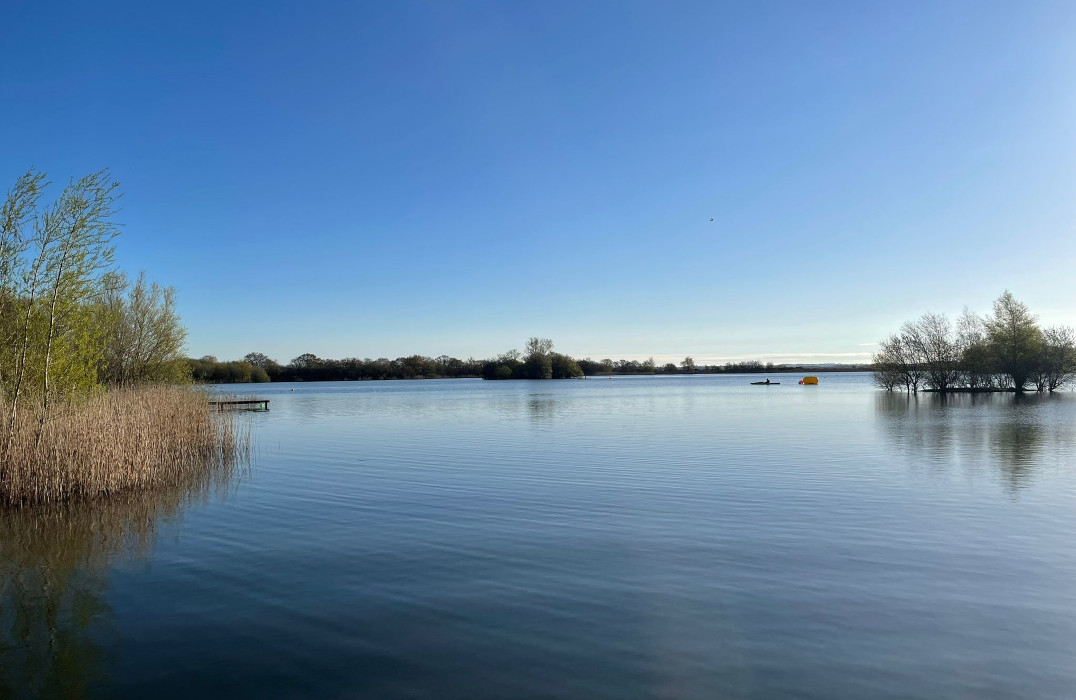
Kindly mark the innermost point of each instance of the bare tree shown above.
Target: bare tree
(975, 365)
(1057, 359)
(896, 365)
(934, 348)
(885, 375)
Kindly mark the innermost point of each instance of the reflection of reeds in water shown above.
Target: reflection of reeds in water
(116, 442)
(54, 557)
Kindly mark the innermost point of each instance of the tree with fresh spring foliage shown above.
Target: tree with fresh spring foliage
(68, 321)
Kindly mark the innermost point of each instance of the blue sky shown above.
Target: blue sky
(384, 179)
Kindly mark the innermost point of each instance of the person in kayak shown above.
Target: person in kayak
(767, 380)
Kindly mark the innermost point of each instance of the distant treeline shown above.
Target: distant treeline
(538, 361)
(1003, 351)
(257, 367)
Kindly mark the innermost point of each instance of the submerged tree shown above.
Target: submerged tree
(1003, 350)
(933, 347)
(1014, 340)
(895, 365)
(977, 370)
(1057, 359)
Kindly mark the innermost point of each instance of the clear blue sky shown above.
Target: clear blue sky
(391, 178)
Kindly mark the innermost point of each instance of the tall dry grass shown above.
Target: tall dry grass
(118, 441)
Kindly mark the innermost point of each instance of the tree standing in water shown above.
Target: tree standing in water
(1014, 339)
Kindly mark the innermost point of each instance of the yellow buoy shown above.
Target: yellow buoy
(809, 380)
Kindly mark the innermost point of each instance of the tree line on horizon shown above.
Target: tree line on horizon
(536, 361)
(1005, 350)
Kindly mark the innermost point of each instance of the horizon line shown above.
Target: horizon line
(850, 358)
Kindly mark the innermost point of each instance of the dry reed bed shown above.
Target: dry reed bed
(118, 441)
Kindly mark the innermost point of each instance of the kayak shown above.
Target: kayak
(766, 383)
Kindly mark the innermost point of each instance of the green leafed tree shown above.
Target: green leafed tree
(18, 216)
(76, 273)
(538, 367)
(259, 359)
(1013, 339)
(564, 367)
(54, 261)
(539, 346)
(537, 363)
(143, 335)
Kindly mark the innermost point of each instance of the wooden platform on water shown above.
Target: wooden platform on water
(247, 404)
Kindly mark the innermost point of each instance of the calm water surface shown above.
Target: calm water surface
(651, 537)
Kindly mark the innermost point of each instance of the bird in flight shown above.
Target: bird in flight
(711, 218)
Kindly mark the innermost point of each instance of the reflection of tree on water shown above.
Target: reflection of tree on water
(54, 561)
(1017, 446)
(1009, 431)
(542, 407)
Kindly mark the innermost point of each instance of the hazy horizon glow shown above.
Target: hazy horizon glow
(380, 180)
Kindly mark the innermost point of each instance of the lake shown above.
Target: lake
(634, 537)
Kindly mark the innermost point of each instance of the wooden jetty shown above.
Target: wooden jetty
(249, 404)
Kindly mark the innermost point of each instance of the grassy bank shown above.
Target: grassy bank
(117, 441)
